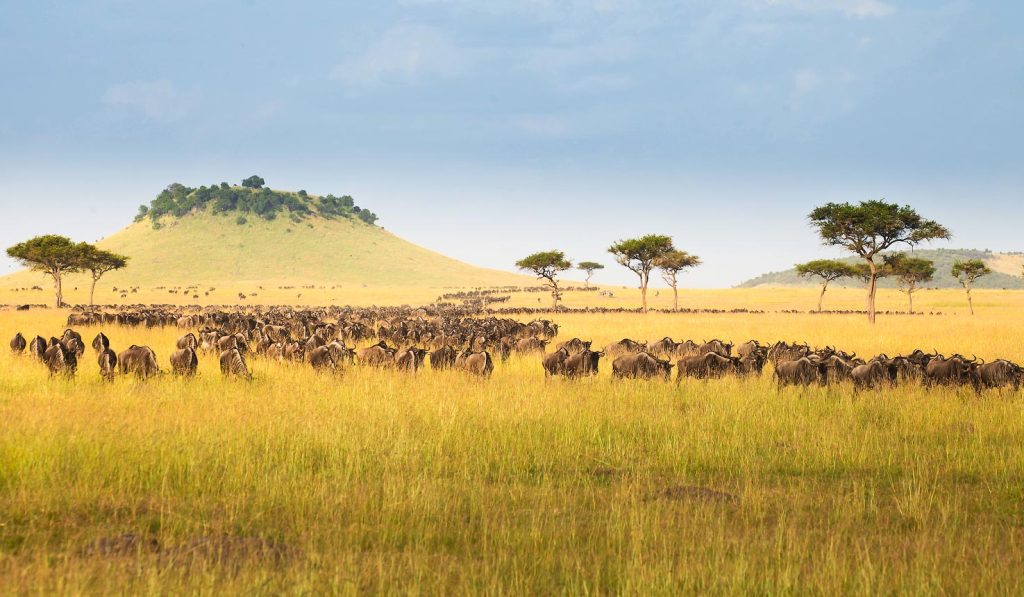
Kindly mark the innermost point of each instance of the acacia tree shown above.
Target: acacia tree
(967, 273)
(546, 265)
(671, 264)
(829, 270)
(98, 262)
(909, 272)
(51, 254)
(868, 229)
(590, 267)
(639, 255)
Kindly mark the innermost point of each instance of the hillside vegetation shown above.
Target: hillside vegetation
(204, 247)
(1006, 271)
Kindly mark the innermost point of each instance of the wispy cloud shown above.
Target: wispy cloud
(158, 100)
(857, 9)
(405, 53)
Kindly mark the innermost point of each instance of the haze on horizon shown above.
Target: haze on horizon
(486, 130)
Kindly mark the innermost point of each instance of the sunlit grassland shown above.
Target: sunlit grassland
(438, 483)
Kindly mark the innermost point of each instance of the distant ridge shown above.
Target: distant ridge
(1006, 271)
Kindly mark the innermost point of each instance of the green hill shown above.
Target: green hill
(309, 241)
(1006, 271)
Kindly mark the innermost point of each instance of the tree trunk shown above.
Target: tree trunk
(872, 289)
(910, 299)
(675, 298)
(57, 288)
(821, 297)
(643, 292)
(587, 282)
(970, 301)
(92, 291)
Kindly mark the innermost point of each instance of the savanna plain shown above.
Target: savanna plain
(438, 483)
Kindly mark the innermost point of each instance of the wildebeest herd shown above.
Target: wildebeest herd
(407, 339)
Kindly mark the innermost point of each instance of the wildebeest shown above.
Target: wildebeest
(575, 345)
(443, 358)
(709, 364)
(410, 359)
(232, 364)
(72, 341)
(477, 363)
(581, 364)
(554, 362)
(664, 347)
(189, 340)
(37, 347)
(320, 358)
(625, 346)
(185, 361)
(641, 365)
(100, 342)
(954, 371)
(60, 359)
(872, 374)
(716, 346)
(340, 353)
(107, 361)
(140, 360)
(527, 345)
(801, 371)
(781, 352)
(378, 355)
(750, 347)
(752, 363)
(1000, 373)
(18, 343)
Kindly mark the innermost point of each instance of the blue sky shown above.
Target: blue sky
(487, 130)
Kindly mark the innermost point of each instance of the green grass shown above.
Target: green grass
(213, 250)
(385, 482)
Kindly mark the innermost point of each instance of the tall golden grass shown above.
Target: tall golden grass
(439, 483)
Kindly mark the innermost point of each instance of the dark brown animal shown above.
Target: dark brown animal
(189, 340)
(232, 364)
(581, 364)
(139, 360)
(575, 345)
(707, 365)
(185, 361)
(554, 363)
(378, 355)
(625, 346)
(18, 343)
(107, 361)
(477, 363)
(321, 359)
(528, 345)
(641, 365)
(410, 359)
(60, 360)
(718, 347)
(100, 342)
(443, 358)
(37, 347)
(802, 372)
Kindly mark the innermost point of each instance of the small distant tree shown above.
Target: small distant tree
(51, 254)
(590, 267)
(671, 264)
(967, 273)
(870, 228)
(910, 273)
(639, 255)
(254, 182)
(546, 265)
(829, 270)
(98, 262)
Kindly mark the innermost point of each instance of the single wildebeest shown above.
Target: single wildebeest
(781, 352)
(870, 375)
(314, 341)
(37, 347)
(378, 355)
(100, 342)
(625, 346)
(802, 372)
(641, 365)
(189, 340)
(185, 361)
(341, 353)
(443, 358)
(477, 363)
(581, 364)
(140, 360)
(72, 340)
(836, 368)
(718, 347)
(60, 359)
(232, 364)
(18, 343)
(999, 374)
(320, 358)
(527, 345)
(554, 362)
(236, 341)
(107, 361)
(707, 365)
(293, 351)
(954, 371)
(749, 347)
(664, 347)
(575, 345)
(410, 359)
